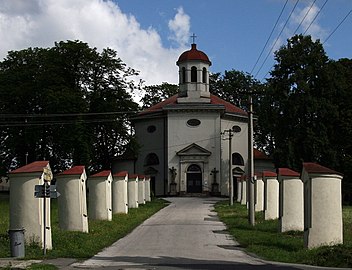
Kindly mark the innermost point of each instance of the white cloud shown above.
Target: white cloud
(180, 27)
(39, 23)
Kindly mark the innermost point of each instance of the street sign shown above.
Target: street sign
(46, 191)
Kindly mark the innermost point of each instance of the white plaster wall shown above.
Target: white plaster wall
(292, 211)
(100, 205)
(132, 193)
(244, 193)
(147, 190)
(239, 191)
(239, 145)
(259, 186)
(26, 211)
(151, 143)
(141, 191)
(271, 198)
(194, 86)
(72, 205)
(120, 196)
(206, 135)
(327, 226)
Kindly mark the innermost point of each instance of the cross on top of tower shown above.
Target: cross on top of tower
(193, 38)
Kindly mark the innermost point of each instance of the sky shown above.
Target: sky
(150, 35)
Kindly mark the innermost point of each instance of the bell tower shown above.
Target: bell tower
(193, 76)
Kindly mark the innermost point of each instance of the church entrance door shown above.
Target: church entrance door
(194, 179)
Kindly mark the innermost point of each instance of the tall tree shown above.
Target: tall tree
(67, 104)
(154, 94)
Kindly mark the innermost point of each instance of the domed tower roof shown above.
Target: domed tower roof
(193, 54)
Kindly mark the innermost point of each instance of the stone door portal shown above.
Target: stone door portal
(194, 179)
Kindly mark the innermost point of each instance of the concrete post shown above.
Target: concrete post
(26, 211)
(239, 190)
(259, 190)
(72, 203)
(323, 206)
(290, 200)
(133, 191)
(244, 190)
(271, 195)
(100, 203)
(147, 189)
(119, 193)
(141, 189)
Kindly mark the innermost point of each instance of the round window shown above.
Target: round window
(151, 129)
(193, 122)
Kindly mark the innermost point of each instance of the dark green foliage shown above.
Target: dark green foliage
(56, 105)
(154, 94)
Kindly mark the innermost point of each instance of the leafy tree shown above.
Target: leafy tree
(67, 104)
(154, 94)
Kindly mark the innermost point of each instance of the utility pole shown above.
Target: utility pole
(230, 132)
(250, 181)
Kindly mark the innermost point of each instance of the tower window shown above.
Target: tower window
(183, 80)
(194, 74)
(204, 73)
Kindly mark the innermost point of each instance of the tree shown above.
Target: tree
(154, 94)
(67, 104)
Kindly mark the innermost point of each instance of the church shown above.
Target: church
(184, 140)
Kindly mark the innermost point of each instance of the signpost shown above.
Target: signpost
(46, 191)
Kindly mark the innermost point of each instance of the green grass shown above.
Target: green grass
(77, 244)
(265, 241)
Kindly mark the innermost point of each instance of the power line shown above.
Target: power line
(272, 31)
(316, 15)
(343, 20)
(277, 39)
(304, 17)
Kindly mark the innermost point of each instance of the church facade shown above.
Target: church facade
(185, 139)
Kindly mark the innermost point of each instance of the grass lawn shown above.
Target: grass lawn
(265, 241)
(77, 244)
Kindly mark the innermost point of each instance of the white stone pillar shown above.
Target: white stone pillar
(133, 191)
(72, 203)
(239, 190)
(26, 211)
(323, 223)
(148, 198)
(244, 191)
(100, 203)
(259, 188)
(141, 189)
(290, 200)
(271, 195)
(119, 193)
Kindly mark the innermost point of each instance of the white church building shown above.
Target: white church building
(185, 139)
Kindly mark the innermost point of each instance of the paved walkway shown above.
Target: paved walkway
(184, 235)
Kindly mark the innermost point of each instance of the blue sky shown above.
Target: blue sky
(149, 35)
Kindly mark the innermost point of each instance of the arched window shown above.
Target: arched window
(151, 159)
(193, 74)
(194, 168)
(183, 80)
(237, 159)
(204, 73)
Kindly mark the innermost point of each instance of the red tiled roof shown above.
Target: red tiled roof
(312, 167)
(193, 54)
(259, 154)
(269, 174)
(105, 173)
(141, 176)
(121, 174)
(230, 108)
(287, 172)
(76, 170)
(36, 166)
(131, 176)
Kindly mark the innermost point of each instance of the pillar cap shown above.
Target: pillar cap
(315, 168)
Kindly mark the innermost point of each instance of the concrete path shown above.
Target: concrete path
(184, 235)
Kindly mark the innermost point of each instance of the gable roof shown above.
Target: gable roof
(315, 168)
(229, 108)
(36, 166)
(76, 170)
(193, 149)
